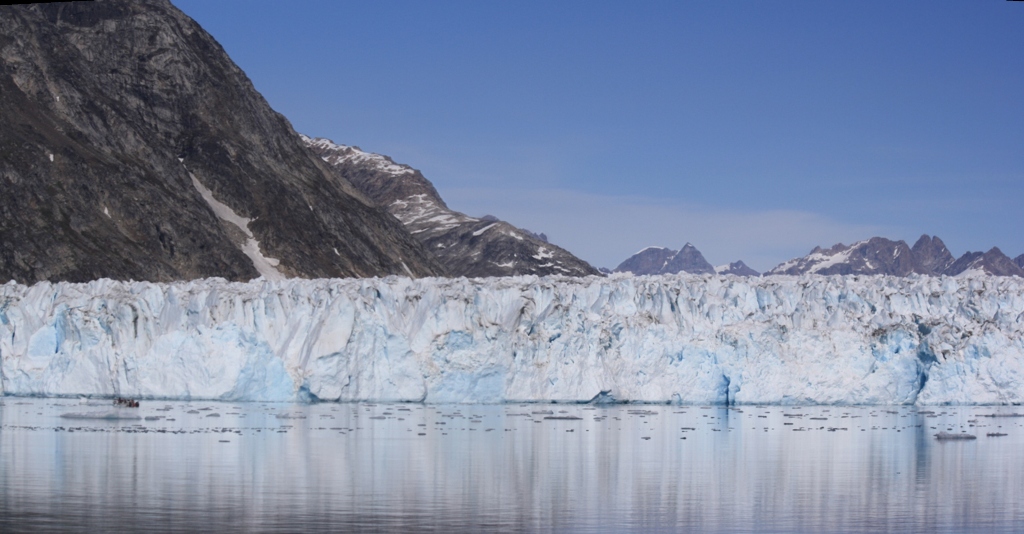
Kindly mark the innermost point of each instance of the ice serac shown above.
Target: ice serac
(672, 338)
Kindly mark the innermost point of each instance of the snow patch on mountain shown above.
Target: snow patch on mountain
(267, 267)
(345, 153)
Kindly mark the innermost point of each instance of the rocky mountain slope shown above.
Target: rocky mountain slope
(993, 262)
(651, 260)
(873, 256)
(132, 147)
(931, 255)
(736, 268)
(659, 260)
(878, 255)
(466, 246)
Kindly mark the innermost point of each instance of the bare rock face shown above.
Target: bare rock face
(1019, 260)
(878, 255)
(993, 262)
(464, 245)
(931, 255)
(651, 260)
(737, 268)
(132, 147)
(657, 260)
(689, 260)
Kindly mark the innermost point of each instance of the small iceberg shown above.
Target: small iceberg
(949, 435)
(105, 416)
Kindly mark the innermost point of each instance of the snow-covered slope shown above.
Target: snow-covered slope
(681, 338)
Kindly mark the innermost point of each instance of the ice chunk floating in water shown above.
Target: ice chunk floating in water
(105, 416)
(674, 338)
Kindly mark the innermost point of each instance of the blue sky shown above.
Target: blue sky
(754, 130)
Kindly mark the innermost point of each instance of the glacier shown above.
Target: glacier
(687, 339)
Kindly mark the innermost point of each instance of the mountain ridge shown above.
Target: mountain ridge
(879, 255)
(466, 246)
(873, 256)
(661, 260)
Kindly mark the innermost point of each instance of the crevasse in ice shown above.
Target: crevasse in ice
(674, 338)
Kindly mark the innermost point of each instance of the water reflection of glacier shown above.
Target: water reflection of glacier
(687, 339)
(352, 466)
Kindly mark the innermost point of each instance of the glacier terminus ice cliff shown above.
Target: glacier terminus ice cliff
(673, 338)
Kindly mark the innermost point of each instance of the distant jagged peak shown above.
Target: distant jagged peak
(993, 262)
(688, 260)
(661, 260)
(877, 255)
(932, 256)
(1019, 260)
(647, 250)
(649, 260)
(736, 268)
(835, 249)
(882, 256)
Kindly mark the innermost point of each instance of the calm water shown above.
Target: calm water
(398, 467)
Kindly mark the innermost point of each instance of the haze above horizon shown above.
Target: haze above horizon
(755, 131)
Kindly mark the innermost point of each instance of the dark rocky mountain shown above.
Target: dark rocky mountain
(993, 262)
(736, 268)
(466, 246)
(929, 256)
(877, 255)
(651, 260)
(658, 260)
(132, 147)
(689, 260)
(1019, 260)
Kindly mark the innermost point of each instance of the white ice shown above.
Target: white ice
(671, 338)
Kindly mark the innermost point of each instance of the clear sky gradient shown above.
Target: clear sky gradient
(754, 130)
